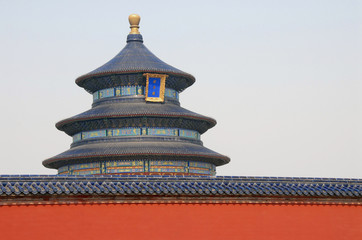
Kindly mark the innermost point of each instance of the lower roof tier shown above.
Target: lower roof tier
(146, 150)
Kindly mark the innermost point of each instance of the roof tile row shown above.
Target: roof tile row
(168, 186)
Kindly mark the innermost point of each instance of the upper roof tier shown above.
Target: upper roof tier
(134, 58)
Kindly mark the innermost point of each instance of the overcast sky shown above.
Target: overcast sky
(282, 78)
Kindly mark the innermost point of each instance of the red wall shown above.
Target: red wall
(181, 221)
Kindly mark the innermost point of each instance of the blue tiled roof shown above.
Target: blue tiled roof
(120, 109)
(179, 186)
(135, 57)
(142, 149)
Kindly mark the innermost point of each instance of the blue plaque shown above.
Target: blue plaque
(155, 87)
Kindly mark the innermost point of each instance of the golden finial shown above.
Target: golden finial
(134, 20)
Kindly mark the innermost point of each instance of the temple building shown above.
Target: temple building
(137, 169)
(136, 124)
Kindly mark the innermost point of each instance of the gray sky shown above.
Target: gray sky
(282, 78)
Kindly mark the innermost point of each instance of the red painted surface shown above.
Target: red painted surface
(181, 221)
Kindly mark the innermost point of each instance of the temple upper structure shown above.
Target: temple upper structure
(136, 124)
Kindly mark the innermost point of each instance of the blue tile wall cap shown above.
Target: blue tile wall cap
(186, 185)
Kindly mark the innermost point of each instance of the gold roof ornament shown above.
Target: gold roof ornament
(134, 20)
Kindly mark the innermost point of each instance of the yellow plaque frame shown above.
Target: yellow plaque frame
(162, 77)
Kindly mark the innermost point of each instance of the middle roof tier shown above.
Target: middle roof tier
(135, 113)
